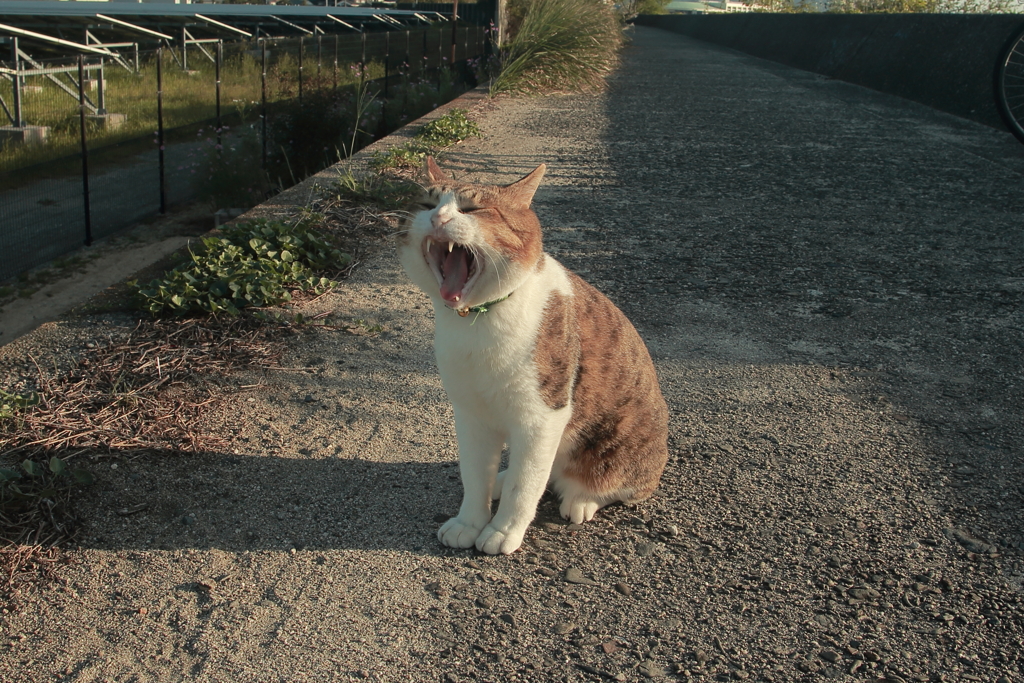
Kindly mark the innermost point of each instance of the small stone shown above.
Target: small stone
(440, 518)
(433, 587)
(671, 530)
(143, 611)
(651, 669)
(609, 647)
(551, 526)
(740, 675)
(574, 527)
(624, 589)
(188, 520)
(544, 571)
(830, 656)
(563, 627)
(574, 575)
(701, 657)
(645, 549)
(487, 602)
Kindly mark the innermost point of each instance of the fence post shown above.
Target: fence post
(184, 49)
(101, 93)
(263, 91)
(335, 61)
(216, 67)
(16, 83)
(319, 61)
(85, 151)
(455, 29)
(301, 43)
(387, 63)
(160, 125)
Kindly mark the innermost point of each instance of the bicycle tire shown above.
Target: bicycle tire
(1009, 84)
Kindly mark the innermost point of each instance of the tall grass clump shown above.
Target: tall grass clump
(560, 45)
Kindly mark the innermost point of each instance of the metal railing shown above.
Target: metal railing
(92, 148)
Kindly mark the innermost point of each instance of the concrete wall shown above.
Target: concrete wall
(946, 61)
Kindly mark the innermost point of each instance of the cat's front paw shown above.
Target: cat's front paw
(457, 534)
(492, 541)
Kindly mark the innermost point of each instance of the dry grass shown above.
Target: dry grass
(147, 392)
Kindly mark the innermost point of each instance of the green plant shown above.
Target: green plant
(442, 132)
(381, 191)
(560, 45)
(251, 265)
(10, 403)
(409, 155)
(449, 129)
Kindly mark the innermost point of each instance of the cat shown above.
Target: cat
(530, 356)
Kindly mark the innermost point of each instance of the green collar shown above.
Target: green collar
(482, 308)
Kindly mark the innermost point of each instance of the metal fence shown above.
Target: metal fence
(94, 147)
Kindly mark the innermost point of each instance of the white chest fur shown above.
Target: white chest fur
(486, 360)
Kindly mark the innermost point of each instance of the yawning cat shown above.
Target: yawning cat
(533, 357)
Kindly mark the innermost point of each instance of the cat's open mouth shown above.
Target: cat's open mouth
(455, 267)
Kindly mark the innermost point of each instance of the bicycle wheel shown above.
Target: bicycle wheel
(1010, 86)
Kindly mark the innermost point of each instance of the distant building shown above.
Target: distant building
(710, 7)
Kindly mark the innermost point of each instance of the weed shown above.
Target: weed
(409, 155)
(252, 265)
(560, 45)
(10, 403)
(381, 191)
(449, 129)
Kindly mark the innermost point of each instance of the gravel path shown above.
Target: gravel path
(830, 281)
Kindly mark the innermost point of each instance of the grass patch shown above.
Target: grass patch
(445, 131)
(251, 265)
(559, 45)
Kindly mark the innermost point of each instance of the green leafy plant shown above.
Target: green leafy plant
(445, 131)
(10, 403)
(560, 45)
(449, 129)
(381, 191)
(251, 264)
(409, 155)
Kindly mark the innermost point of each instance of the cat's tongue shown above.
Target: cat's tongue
(455, 272)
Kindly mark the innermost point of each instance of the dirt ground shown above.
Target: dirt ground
(831, 284)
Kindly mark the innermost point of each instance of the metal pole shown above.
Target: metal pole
(160, 125)
(136, 50)
(455, 25)
(301, 43)
(440, 59)
(263, 115)
(216, 68)
(384, 101)
(85, 151)
(362, 61)
(18, 122)
(184, 50)
(319, 60)
(335, 62)
(101, 91)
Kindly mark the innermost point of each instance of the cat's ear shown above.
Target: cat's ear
(434, 171)
(521, 191)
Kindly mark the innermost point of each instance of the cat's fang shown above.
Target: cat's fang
(451, 245)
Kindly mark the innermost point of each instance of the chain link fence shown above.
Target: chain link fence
(92, 147)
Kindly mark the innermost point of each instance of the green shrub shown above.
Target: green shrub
(560, 45)
(449, 129)
(250, 265)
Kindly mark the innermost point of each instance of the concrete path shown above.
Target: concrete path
(830, 281)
